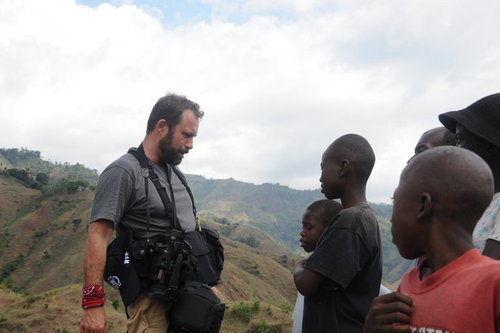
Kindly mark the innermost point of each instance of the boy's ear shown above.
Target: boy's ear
(426, 206)
(344, 167)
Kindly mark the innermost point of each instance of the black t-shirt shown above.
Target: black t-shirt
(349, 256)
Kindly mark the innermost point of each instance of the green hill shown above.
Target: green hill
(43, 230)
(277, 210)
(31, 162)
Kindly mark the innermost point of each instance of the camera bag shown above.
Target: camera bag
(196, 310)
(119, 272)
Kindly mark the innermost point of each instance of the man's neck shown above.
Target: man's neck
(151, 149)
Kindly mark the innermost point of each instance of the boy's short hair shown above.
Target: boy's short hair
(357, 151)
(324, 210)
(460, 182)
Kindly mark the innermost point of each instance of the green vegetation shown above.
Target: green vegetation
(39, 181)
(286, 307)
(28, 167)
(221, 220)
(245, 311)
(65, 186)
(115, 303)
(228, 229)
(250, 241)
(40, 234)
(264, 327)
(28, 207)
(9, 267)
(76, 223)
(15, 156)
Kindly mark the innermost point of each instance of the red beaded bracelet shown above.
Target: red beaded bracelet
(92, 296)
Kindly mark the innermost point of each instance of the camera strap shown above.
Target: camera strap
(168, 203)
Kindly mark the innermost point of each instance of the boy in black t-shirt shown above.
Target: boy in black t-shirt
(314, 222)
(342, 276)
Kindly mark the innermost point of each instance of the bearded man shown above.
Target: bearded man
(125, 202)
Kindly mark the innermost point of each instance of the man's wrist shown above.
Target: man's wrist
(92, 296)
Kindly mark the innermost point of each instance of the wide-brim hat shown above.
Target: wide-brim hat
(481, 118)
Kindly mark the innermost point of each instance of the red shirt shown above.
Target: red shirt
(461, 297)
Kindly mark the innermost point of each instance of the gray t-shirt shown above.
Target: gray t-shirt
(120, 197)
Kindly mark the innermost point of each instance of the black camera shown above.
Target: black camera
(168, 265)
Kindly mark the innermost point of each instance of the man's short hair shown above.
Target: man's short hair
(324, 210)
(170, 107)
(357, 151)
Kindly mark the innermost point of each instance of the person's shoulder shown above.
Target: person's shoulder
(126, 162)
(362, 211)
(473, 263)
(489, 265)
(486, 275)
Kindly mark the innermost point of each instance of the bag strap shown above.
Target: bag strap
(148, 172)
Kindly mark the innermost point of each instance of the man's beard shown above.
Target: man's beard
(167, 153)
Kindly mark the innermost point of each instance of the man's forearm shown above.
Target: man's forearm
(99, 234)
(93, 318)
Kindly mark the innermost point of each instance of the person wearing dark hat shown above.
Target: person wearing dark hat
(477, 128)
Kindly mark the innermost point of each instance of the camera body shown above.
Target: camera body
(170, 259)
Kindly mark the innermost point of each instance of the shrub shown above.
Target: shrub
(76, 223)
(10, 267)
(263, 327)
(286, 307)
(115, 303)
(250, 241)
(245, 311)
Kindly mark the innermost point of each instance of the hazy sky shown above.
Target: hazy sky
(278, 80)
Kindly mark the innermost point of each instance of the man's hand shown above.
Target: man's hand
(389, 313)
(93, 320)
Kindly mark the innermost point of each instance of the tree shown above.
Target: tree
(42, 178)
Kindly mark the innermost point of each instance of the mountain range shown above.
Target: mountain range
(44, 210)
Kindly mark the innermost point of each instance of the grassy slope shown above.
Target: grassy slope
(54, 259)
(58, 310)
(44, 231)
